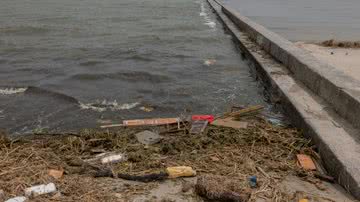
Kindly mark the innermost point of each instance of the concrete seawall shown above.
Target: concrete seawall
(340, 90)
(317, 98)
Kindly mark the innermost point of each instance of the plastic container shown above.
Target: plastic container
(40, 189)
(209, 118)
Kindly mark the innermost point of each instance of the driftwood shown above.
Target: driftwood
(140, 178)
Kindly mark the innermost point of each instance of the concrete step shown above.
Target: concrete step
(336, 138)
(336, 87)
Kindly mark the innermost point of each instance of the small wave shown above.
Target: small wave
(10, 91)
(24, 29)
(101, 106)
(133, 76)
(208, 21)
(90, 63)
(44, 92)
(140, 58)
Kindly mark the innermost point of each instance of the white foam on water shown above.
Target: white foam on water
(208, 21)
(10, 91)
(101, 106)
(89, 106)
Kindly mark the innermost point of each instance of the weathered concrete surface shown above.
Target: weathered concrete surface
(299, 187)
(344, 59)
(337, 140)
(337, 88)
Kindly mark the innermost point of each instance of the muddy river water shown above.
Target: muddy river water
(71, 64)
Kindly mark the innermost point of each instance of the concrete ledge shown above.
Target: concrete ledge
(339, 150)
(340, 90)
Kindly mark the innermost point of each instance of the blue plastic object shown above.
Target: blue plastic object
(253, 181)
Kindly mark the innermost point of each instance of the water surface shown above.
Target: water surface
(77, 63)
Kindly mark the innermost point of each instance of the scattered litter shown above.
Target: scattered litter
(56, 174)
(17, 199)
(40, 189)
(253, 181)
(209, 118)
(116, 158)
(148, 137)
(180, 171)
(306, 162)
(146, 122)
(228, 122)
(219, 188)
(221, 151)
(209, 62)
(198, 126)
(147, 109)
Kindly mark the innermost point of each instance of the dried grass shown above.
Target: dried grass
(261, 149)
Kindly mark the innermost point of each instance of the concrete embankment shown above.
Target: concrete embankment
(318, 98)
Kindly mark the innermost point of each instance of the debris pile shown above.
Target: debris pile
(341, 44)
(250, 155)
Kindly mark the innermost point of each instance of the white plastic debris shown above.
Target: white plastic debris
(209, 62)
(113, 159)
(40, 189)
(2, 195)
(17, 199)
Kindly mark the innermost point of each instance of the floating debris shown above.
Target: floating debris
(147, 108)
(209, 62)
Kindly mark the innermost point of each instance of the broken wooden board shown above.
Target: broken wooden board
(151, 122)
(145, 122)
(228, 122)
